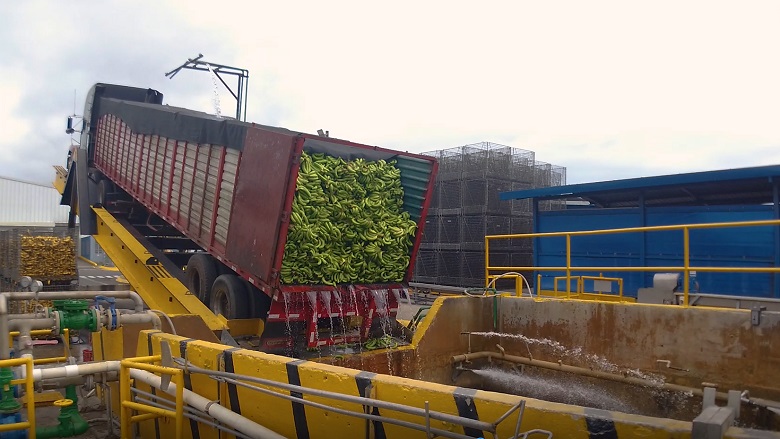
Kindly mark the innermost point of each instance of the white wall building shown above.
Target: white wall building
(24, 203)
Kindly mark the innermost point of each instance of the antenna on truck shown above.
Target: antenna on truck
(242, 75)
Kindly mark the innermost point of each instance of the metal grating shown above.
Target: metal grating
(466, 206)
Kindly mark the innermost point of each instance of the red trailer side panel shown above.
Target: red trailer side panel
(261, 190)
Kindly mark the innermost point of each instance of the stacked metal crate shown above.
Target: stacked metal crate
(47, 254)
(465, 207)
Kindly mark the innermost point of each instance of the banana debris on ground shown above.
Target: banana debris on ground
(347, 223)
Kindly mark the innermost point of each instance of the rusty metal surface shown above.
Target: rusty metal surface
(261, 190)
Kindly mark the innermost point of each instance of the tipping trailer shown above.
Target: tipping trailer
(210, 198)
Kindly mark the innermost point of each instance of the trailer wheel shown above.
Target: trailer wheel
(201, 274)
(230, 297)
(259, 302)
(105, 190)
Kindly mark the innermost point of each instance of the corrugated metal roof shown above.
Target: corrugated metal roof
(30, 204)
(728, 186)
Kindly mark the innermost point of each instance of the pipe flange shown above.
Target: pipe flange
(116, 323)
(98, 320)
(57, 321)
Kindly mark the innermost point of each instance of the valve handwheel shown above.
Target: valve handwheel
(63, 402)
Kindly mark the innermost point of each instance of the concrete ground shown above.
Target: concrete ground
(92, 277)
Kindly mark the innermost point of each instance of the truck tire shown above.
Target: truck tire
(201, 274)
(230, 297)
(259, 302)
(105, 191)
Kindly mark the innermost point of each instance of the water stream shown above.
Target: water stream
(385, 321)
(215, 99)
(570, 391)
(593, 361)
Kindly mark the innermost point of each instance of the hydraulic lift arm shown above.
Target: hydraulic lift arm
(146, 275)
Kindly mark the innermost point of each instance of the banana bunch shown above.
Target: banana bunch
(347, 223)
(384, 342)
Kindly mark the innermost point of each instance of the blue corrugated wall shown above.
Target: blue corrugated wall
(733, 247)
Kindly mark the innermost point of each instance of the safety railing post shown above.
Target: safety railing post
(568, 266)
(538, 284)
(124, 395)
(149, 411)
(487, 261)
(179, 405)
(686, 265)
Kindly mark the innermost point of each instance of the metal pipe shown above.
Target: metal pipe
(25, 326)
(143, 317)
(26, 316)
(193, 416)
(53, 295)
(584, 371)
(31, 325)
(73, 370)
(445, 417)
(218, 412)
(58, 383)
(376, 418)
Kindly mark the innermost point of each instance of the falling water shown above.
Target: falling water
(214, 79)
(340, 306)
(326, 295)
(385, 322)
(353, 303)
(286, 298)
(313, 303)
(572, 391)
(593, 361)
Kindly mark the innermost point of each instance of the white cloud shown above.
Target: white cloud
(607, 88)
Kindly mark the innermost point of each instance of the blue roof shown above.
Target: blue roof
(728, 186)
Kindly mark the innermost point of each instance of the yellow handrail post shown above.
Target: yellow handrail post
(538, 284)
(487, 261)
(125, 413)
(66, 342)
(686, 264)
(568, 266)
(30, 390)
(179, 405)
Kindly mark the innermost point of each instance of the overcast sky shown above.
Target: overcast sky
(608, 89)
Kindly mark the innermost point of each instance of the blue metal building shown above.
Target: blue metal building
(745, 194)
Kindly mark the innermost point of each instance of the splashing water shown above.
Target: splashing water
(593, 361)
(572, 391)
(354, 304)
(215, 99)
(383, 311)
(326, 296)
(312, 295)
(340, 306)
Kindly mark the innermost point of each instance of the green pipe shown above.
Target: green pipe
(70, 421)
(8, 404)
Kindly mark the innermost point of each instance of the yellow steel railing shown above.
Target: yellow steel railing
(149, 412)
(686, 268)
(29, 424)
(580, 283)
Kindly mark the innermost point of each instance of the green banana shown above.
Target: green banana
(347, 223)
